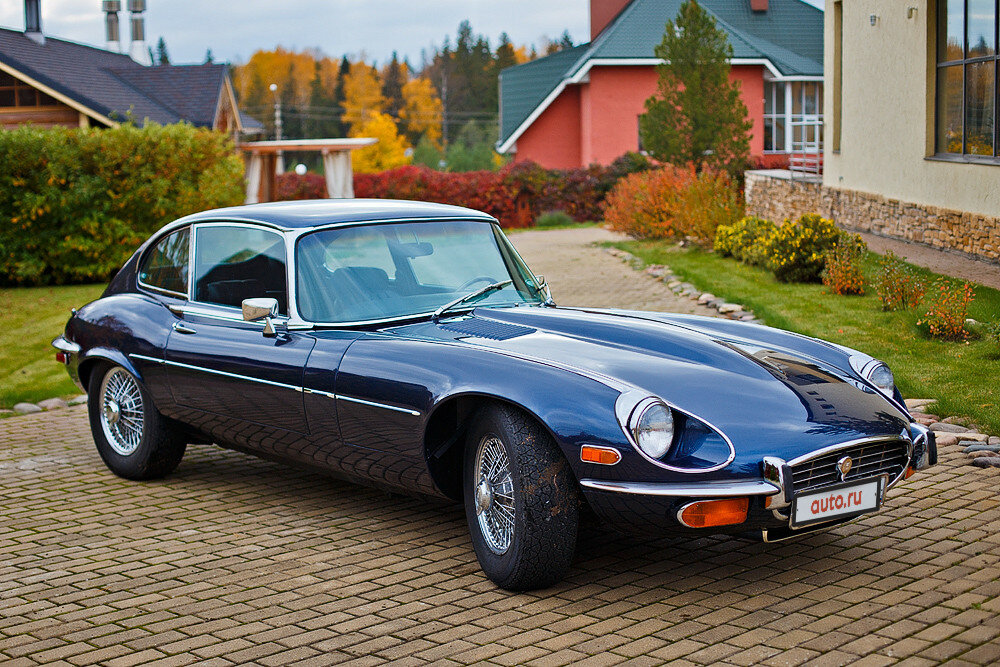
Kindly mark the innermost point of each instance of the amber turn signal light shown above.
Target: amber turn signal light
(909, 473)
(706, 513)
(607, 456)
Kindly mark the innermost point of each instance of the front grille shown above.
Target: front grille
(871, 459)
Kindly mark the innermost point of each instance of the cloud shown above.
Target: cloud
(375, 27)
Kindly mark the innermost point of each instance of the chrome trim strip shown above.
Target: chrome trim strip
(304, 390)
(843, 445)
(230, 314)
(161, 290)
(774, 470)
(63, 345)
(373, 404)
(684, 490)
(631, 400)
(212, 371)
(862, 441)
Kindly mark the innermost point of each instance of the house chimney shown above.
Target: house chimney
(138, 49)
(33, 21)
(602, 13)
(758, 5)
(112, 30)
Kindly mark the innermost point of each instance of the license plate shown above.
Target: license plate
(838, 502)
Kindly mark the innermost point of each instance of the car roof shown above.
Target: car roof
(320, 212)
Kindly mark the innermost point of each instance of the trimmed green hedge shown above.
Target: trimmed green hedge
(75, 203)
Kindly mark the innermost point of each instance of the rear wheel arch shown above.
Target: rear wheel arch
(104, 357)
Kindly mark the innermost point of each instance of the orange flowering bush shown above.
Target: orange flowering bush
(842, 273)
(897, 286)
(947, 309)
(672, 202)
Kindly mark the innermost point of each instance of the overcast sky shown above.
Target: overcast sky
(234, 30)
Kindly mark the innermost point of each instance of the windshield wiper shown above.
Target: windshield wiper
(468, 297)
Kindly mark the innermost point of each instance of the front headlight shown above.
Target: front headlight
(875, 371)
(654, 430)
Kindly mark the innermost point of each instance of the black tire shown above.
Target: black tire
(542, 498)
(151, 450)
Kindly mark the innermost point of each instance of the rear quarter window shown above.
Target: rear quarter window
(166, 266)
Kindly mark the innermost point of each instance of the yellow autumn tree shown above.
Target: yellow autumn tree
(422, 111)
(362, 94)
(390, 150)
(286, 69)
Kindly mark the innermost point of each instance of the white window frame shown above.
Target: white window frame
(785, 87)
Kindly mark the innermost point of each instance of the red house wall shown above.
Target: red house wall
(598, 121)
(553, 140)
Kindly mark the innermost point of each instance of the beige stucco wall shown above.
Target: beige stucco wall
(887, 107)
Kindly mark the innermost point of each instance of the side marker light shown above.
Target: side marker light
(607, 456)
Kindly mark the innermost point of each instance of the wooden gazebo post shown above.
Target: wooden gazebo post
(260, 172)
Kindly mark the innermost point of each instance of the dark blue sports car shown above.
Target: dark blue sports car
(407, 344)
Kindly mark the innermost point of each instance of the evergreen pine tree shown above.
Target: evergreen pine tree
(393, 80)
(697, 115)
(162, 57)
(339, 96)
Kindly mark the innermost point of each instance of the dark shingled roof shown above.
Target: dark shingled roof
(112, 84)
(789, 35)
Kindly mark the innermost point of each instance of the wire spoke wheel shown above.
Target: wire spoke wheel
(121, 411)
(494, 489)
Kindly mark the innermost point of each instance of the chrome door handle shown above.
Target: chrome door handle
(182, 328)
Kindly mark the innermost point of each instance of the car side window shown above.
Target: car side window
(233, 263)
(165, 267)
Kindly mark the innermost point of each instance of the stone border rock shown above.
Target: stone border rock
(43, 406)
(675, 284)
(982, 449)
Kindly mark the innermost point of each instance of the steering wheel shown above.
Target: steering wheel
(472, 281)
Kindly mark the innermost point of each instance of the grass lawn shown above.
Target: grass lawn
(32, 317)
(962, 376)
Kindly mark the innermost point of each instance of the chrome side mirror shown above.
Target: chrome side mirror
(543, 287)
(255, 310)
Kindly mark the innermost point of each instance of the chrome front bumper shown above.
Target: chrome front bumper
(776, 472)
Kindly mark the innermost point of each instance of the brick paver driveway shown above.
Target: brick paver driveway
(235, 560)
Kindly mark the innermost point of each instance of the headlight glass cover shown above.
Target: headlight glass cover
(881, 377)
(875, 371)
(654, 429)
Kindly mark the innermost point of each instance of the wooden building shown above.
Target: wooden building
(53, 82)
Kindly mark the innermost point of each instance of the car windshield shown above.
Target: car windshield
(387, 271)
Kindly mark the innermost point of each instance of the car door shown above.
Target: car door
(234, 382)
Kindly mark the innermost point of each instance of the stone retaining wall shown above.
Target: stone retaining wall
(773, 195)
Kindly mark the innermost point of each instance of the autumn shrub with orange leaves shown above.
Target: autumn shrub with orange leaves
(842, 273)
(947, 309)
(76, 203)
(672, 202)
(897, 285)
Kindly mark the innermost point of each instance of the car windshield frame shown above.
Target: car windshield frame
(524, 279)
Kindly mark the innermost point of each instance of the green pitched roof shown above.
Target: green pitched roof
(789, 36)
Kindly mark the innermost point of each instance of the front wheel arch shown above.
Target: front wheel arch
(444, 437)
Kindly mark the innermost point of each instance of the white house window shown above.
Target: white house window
(966, 77)
(793, 116)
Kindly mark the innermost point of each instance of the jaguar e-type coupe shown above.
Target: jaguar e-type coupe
(407, 344)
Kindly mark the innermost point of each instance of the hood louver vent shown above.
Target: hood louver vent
(487, 329)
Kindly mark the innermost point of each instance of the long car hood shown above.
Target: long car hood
(767, 390)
